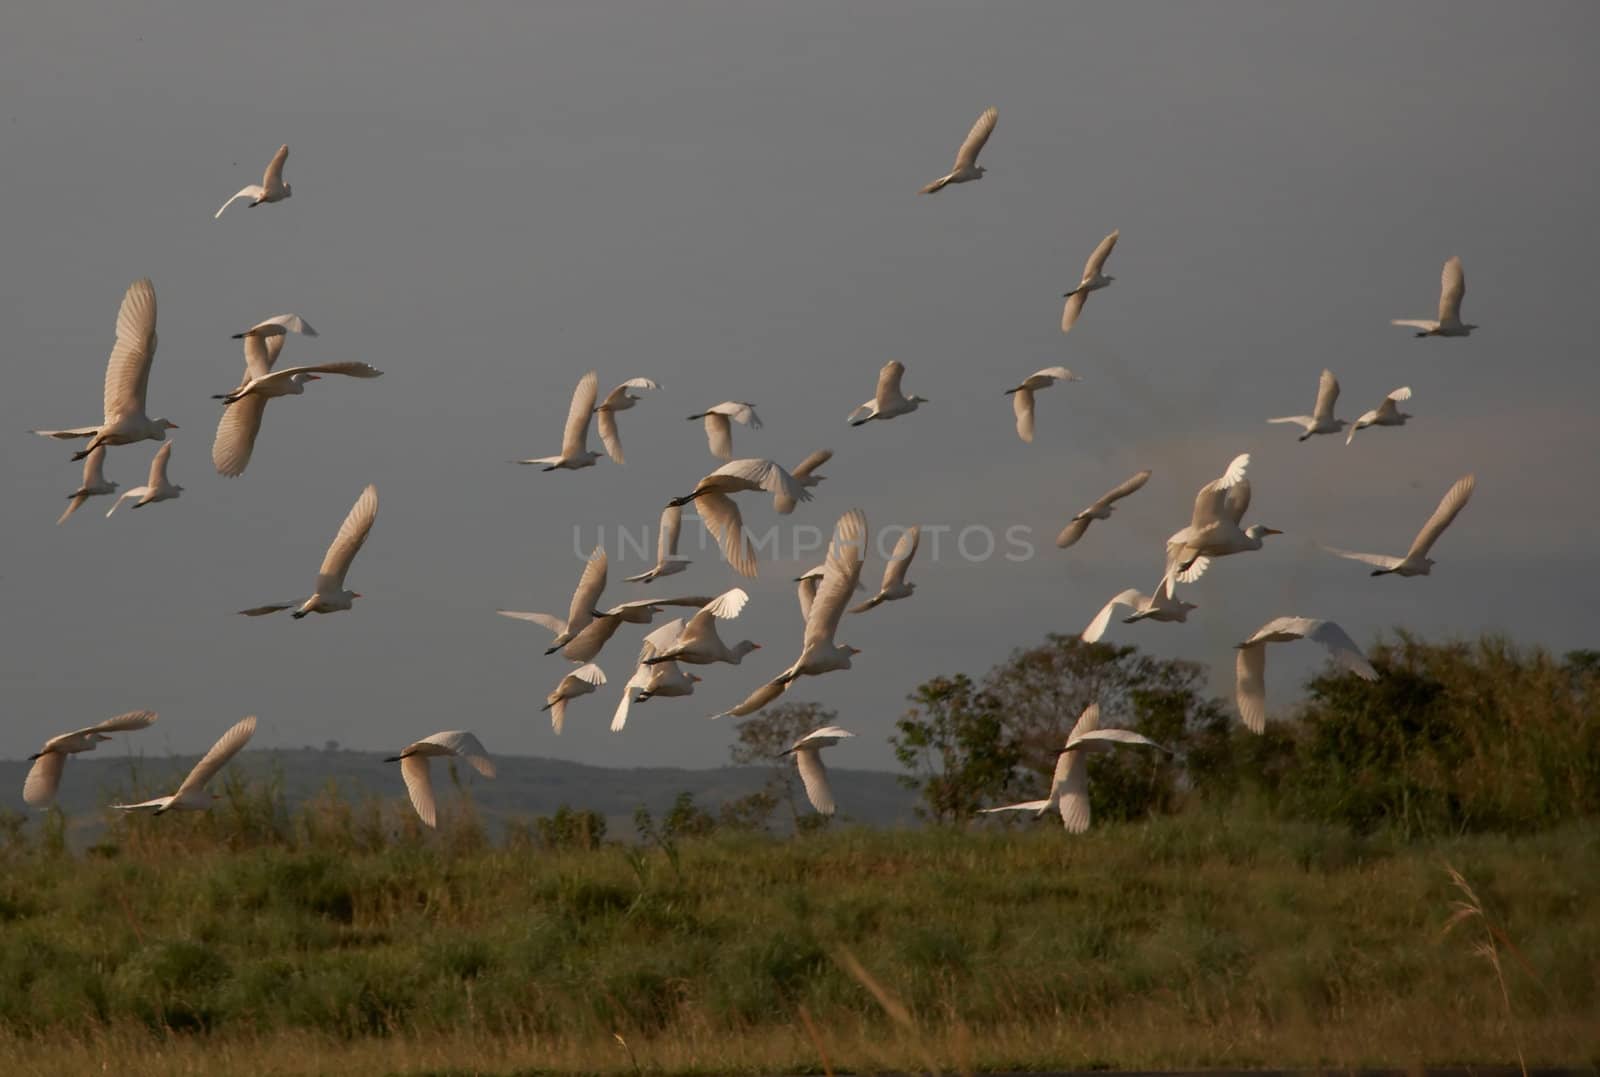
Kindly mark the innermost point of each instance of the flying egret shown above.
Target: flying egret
(127, 379)
(1452, 286)
(44, 777)
(1022, 395)
(662, 679)
(807, 589)
(712, 498)
(1161, 605)
(618, 399)
(581, 611)
(1387, 413)
(271, 189)
(1101, 509)
(967, 167)
(894, 573)
(1416, 562)
(330, 595)
(699, 644)
(192, 795)
(245, 406)
(1093, 280)
(819, 653)
(668, 563)
(94, 483)
(1321, 420)
(580, 682)
(1069, 785)
(806, 475)
(719, 431)
(1213, 530)
(587, 644)
(157, 486)
(807, 752)
(1250, 669)
(575, 452)
(414, 768)
(889, 401)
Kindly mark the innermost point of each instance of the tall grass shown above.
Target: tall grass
(1206, 939)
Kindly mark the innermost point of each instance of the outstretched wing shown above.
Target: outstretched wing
(348, 542)
(237, 431)
(1327, 396)
(226, 748)
(419, 784)
(1097, 627)
(128, 369)
(1454, 500)
(1117, 493)
(1097, 260)
(967, 156)
(575, 438)
(846, 554)
(1452, 288)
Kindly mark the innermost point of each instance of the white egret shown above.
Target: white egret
(1161, 605)
(1069, 785)
(699, 643)
(894, 584)
(1416, 562)
(1387, 413)
(1452, 287)
(967, 167)
(192, 795)
(585, 597)
(575, 452)
(127, 379)
(1101, 509)
(806, 475)
(889, 401)
(271, 189)
(44, 777)
(719, 429)
(414, 766)
(1250, 669)
(662, 679)
(713, 501)
(94, 483)
(1321, 420)
(587, 644)
(1022, 395)
(807, 752)
(157, 486)
(668, 563)
(580, 682)
(618, 399)
(1093, 280)
(330, 595)
(1213, 530)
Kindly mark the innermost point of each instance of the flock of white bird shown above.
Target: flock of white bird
(1214, 530)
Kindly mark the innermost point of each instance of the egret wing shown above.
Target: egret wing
(348, 542)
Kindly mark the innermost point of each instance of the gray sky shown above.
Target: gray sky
(491, 200)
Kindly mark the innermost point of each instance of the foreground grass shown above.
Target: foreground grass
(1192, 941)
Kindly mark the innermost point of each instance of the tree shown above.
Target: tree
(763, 738)
(958, 751)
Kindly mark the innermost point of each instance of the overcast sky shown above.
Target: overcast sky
(491, 200)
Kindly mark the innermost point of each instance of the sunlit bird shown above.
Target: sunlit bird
(580, 682)
(719, 422)
(586, 645)
(662, 679)
(668, 563)
(1101, 509)
(192, 795)
(967, 167)
(699, 643)
(127, 379)
(157, 486)
(1094, 278)
(1416, 562)
(889, 402)
(575, 451)
(807, 752)
(1214, 530)
(1387, 413)
(806, 475)
(1161, 605)
(1069, 785)
(44, 777)
(1321, 420)
(585, 597)
(1022, 395)
(414, 766)
(807, 588)
(271, 188)
(1452, 287)
(894, 584)
(1250, 668)
(95, 483)
(618, 399)
(713, 500)
(330, 595)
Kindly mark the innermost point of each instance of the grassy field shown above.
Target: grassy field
(186, 946)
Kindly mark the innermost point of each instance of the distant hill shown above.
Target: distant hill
(526, 786)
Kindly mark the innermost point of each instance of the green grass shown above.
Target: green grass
(1199, 940)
